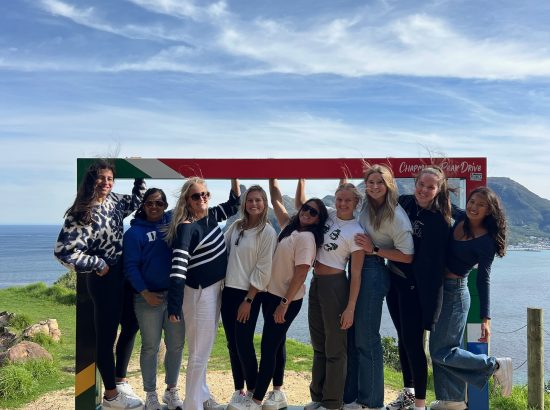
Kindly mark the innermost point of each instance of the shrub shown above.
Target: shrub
(21, 379)
(20, 321)
(391, 353)
(15, 380)
(67, 280)
(42, 339)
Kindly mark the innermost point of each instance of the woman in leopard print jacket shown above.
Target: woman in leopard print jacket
(90, 243)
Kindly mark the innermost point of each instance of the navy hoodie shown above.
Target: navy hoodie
(147, 257)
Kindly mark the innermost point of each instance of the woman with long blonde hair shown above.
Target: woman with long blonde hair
(387, 235)
(250, 241)
(199, 263)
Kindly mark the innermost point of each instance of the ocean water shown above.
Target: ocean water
(519, 280)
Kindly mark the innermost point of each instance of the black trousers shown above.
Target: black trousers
(406, 313)
(273, 360)
(240, 337)
(113, 303)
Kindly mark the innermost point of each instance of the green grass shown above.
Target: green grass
(39, 302)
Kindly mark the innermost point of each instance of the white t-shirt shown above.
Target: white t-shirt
(396, 234)
(249, 262)
(298, 248)
(338, 241)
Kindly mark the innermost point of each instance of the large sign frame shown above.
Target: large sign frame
(472, 170)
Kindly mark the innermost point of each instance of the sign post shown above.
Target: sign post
(87, 385)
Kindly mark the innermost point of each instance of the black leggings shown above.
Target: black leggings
(273, 360)
(406, 313)
(113, 303)
(240, 337)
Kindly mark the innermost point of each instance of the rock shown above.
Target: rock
(5, 318)
(7, 338)
(48, 327)
(23, 352)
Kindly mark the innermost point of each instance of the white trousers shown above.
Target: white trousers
(201, 311)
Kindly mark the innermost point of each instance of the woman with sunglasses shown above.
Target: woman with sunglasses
(199, 263)
(387, 236)
(90, 243)
(250, 241)
(332, 298)
(298, 241)
(147, 261)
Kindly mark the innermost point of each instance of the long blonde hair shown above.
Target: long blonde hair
(243, 222)
(386, 211)
(180, 212)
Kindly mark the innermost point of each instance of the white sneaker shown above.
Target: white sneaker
(247, 404)
(313, 405)
(152, 401)
(503, 375)
(121, 401)
(276, 400)
(125, 388)
(238, 397)
(447, 405)
(212, 404)
(172, 399)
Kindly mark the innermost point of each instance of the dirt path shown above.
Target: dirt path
(220, 383)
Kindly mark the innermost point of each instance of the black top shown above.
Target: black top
(199, 255)
(464, 255)
(430, 237)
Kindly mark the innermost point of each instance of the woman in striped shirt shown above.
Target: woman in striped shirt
(199, 263)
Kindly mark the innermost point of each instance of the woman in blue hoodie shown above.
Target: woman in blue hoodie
(147, 263)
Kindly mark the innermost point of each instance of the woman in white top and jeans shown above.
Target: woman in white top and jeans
(387, 236)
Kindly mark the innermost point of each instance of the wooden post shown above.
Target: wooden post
(535, 359)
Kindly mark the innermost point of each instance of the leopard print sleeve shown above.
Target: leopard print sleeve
(72, 247)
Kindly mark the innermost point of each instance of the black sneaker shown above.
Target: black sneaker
(404, 401)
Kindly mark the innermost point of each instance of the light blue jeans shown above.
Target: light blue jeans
(453, 366)
(152, 321)
(365, 376)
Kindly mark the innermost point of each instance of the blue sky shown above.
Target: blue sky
(258, 79)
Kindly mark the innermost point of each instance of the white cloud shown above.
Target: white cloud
(89, 17)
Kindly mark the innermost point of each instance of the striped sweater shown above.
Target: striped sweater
(199, 255)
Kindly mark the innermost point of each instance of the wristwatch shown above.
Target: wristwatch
(284, 301)
(375, 250)
(248, 299)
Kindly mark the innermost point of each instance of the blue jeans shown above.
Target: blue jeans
(453, 366)
(152, 321)
(365, 376)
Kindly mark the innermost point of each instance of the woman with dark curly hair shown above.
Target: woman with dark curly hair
(90, 243)
(477, 236)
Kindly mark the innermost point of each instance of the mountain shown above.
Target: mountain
(527, 213)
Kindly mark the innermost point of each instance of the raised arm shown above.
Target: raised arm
(277, 203)
(300, 197)
(235, 187)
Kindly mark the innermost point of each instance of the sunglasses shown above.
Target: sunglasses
(200, 195)
(159, 204)
(312, 211)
